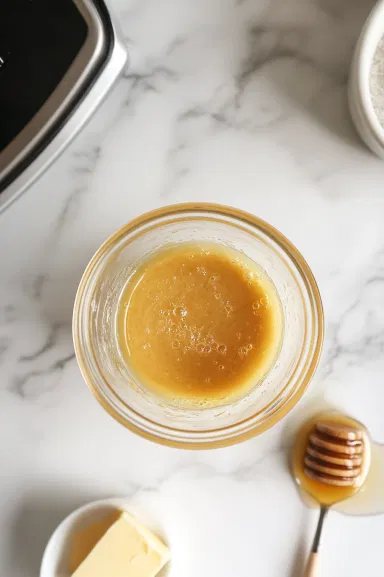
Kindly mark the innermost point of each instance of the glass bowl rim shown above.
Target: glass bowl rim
(301, 267)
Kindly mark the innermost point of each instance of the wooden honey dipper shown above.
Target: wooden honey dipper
(336, 456)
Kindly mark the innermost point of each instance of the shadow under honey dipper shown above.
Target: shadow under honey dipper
(331, 459)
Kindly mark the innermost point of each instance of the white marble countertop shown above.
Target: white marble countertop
(241, 102)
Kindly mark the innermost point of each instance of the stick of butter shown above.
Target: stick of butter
(127, 549)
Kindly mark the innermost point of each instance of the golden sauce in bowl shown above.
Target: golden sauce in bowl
(199, 324)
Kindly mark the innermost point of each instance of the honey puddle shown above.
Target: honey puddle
(199, 324)
(368, 500)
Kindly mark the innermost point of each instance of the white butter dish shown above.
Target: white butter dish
(60, 553)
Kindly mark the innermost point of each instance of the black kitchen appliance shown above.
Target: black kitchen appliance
(58, 59)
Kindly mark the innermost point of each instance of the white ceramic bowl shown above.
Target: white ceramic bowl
(359, 96)
(55, 558)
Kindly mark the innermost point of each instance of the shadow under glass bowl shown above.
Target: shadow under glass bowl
(121, 393)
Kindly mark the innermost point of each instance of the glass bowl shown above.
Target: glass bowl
(120, 392)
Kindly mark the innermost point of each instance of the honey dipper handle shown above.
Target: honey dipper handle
(311, 569)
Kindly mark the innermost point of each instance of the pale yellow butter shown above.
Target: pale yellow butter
(127, 549)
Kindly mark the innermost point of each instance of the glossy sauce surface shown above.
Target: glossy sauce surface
(199, 324)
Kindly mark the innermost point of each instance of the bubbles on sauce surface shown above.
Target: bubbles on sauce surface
(197, 306)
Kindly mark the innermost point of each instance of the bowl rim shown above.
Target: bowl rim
(367, 43)
(301, 267)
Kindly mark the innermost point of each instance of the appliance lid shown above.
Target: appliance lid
(54, 56)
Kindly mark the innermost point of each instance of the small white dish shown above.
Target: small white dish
(55, 558)
(359, 95)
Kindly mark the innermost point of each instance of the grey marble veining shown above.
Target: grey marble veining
(240, 102)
